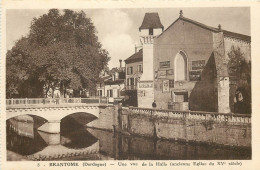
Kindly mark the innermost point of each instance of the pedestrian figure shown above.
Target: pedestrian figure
(57, 98)
(154, 104)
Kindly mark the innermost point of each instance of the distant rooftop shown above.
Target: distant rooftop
(135, 57)
(151, 20)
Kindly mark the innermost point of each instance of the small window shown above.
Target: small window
(111, 93)
(132, 81)
(118, 93)
(130, 70)
(100, 93)
(108, 93)
(113, 77)
(150, 31)
(140, 68)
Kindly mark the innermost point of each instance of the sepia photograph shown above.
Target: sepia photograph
(128, 84)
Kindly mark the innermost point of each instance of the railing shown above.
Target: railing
(194, 115)
(130, 87)
(50, 101)
(32, 101)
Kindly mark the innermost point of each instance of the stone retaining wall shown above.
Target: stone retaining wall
(202, 127)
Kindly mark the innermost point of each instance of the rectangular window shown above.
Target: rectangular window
(131, 81)
(130, 70)
(111, 93)
(108, 93)
(150, 31)
(140, 68)
(118, 93)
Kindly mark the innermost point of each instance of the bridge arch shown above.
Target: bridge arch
(52, 113)
(81, 117)
(16, 115)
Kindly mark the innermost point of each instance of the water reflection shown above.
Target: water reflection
(75, 142)
(122, 147)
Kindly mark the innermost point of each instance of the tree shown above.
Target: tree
(240, 71)
(61, 51)
(237, 63)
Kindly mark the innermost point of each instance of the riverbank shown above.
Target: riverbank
(191, 127)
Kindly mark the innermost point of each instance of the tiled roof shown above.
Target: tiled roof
(151, 20)
(236, 35)
(135, 57)
(105, 78)
(225, 32)
(110, 82)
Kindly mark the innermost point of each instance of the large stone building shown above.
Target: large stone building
(191, 66)
(198, 67)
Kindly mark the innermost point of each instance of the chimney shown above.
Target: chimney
(120, 61)
(181, 13)
(219, 27)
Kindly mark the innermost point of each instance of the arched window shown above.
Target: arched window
(180, 67)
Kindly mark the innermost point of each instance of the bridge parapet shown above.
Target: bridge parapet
(193, 115)
(55, 101)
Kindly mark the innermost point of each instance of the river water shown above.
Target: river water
(23, 139)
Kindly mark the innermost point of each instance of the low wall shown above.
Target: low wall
(202, 127)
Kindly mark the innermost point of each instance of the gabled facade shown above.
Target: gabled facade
(134, 70)
(191, 67)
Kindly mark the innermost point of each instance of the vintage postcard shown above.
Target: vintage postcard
(127, 84)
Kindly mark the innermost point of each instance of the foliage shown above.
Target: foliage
(61, 51)
(237, 63)
(240, 72)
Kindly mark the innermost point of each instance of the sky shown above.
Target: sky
(118, 29)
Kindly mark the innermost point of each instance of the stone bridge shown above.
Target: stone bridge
(51, 110)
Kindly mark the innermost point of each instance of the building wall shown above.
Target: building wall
(115, 89)
(163, 125)
(132, 93)
(147, 62)
(197, 44)
(100, 87)
(244, 46)
(146, 95)
(135, 70)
